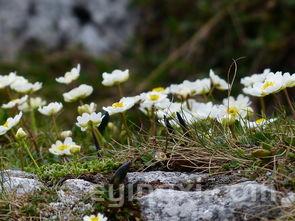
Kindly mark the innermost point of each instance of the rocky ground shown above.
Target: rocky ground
(98, 26)
(159, 196)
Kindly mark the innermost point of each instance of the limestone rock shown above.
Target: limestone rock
(161, 179)
(243, 201)
(19, 182)
(73, 190)
(98, 26)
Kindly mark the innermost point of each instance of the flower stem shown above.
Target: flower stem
(98, 137)
(29, 152)
(262, 104)
(33, 120)
(289, 102)
(124, 122)
(54, 125)
(120, 90)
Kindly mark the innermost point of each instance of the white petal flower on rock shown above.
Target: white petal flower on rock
(69, 76)
(261, 122)
(114, 78)
(87, 108)
(78, 93)
(153, 100)
(68, 147)
(289, 79)
(218, 82)
(124, 104)
(25, 87)
(169, 110)
(51, 109)
(10, 123)
(273, 83)
(234, 109)
(15, 102)
(32, 104)
(87, 121)
(202, 110)
(98, 217)
(7, 80)
(254, 78)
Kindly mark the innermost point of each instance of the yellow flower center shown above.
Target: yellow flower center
(154, 97)
(267, 84)
(232, 111)
(118, 104)
(5, 124)
(62, 147)
(260, 120)
(158, 89)
(94, 218)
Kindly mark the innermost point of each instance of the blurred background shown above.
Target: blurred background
(160, 42)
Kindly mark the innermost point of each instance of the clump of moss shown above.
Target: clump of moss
(56, 171)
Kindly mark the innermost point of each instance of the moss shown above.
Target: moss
(56, 171)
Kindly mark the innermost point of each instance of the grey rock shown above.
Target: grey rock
(98, 26)
(73, 190)
(74, 198)
(243, 201)
(19, 182)
(288, 200)
(161, 179)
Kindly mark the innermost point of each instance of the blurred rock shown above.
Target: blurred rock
(98, 26)
(243, 201)
(18, 182)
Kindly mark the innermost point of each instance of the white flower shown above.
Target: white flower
(273, 83)
(66, 133)
(32, 104)
(51, 109)
(7, 80)
(20, 133)
(218, 82)
(15, 102)
(98, 217)
(69, 76)
(183, 90)
(250, 80)
(77, 93)
(87, 121)
(203, 86)
(87, 108)
(154, 100)
(24, 87)
(114, 78)
(160, 90)
(234, 109)
(68, 147)
(289, 80)
(202, 110)
(169, 110)
(10, 123)
(124, 104)
(261, 122)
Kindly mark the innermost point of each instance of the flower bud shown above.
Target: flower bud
(66, 133)
(20, 134)
(87, 108)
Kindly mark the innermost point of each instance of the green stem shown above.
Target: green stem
(262, 104)
(120, 90)
(289, 102)
(33, 120)
(124, 122)
(29, 152)
(55, 125)
(100, 139)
